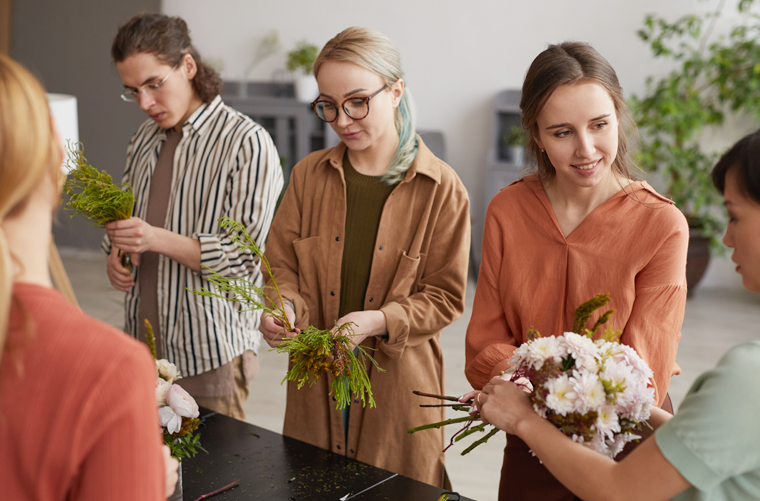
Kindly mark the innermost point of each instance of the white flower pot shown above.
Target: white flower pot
(306, 88)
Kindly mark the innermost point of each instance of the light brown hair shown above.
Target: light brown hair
(28, 151)
(168, 39)
(566, 64)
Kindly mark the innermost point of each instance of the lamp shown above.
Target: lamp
(63, 108)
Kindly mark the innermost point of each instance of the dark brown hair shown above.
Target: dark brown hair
(566, 64)
(167, 38)
(744, 157)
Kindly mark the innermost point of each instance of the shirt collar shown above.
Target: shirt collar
(424, 162)
(200, 120)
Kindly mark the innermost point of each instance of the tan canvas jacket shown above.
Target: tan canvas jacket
(418, 280)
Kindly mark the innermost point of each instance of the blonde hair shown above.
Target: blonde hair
(372, 50)
(28, 150)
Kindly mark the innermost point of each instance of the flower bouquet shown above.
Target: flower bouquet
(597, 392)
(177, 410)
(312, 351)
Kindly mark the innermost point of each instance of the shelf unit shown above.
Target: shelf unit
(295, 129)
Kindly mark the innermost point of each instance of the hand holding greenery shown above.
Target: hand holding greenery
(311, 351)
(93, 194)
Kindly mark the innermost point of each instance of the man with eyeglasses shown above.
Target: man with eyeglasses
(196, 160)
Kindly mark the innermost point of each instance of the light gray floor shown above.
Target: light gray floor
(716, 319)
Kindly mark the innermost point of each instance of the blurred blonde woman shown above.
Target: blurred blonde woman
(78, 418)
(374, 231)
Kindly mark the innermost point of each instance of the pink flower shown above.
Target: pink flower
(181, 402)
(169, 419)
(162, 387)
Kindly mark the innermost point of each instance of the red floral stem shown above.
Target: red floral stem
(219, 491)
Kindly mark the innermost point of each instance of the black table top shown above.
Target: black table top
(273, 467)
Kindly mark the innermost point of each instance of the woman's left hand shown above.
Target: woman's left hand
(132, 235)
(504, 404)
(368, 323)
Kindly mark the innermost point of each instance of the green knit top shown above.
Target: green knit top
(365, 198)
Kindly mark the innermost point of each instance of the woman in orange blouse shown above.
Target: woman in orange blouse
(581, 226)
(78, 415)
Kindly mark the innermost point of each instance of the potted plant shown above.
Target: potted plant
(714, 74)
(301, 61)
(513, 142)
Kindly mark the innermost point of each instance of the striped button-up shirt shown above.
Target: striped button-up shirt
(224, 165)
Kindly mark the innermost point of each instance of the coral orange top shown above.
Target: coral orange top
(78, 416)
(633, 246)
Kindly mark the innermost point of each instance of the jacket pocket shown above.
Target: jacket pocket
(408, 274)
(307, 253)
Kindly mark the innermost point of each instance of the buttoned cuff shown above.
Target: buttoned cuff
(397, 324)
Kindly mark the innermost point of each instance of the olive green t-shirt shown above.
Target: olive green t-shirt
(714, 438)
(365, 198)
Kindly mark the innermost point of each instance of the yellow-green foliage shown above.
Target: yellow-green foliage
(311, 351)
(92, 193)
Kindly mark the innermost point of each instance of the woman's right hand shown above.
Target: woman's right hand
(273, 330)
(120, 277)
(171, 466)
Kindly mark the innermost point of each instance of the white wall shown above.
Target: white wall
(457, 54)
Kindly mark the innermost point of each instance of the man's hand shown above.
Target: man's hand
(132, 235)
(119, 276)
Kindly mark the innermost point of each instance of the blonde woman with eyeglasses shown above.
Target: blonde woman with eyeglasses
(373, 231)
(192, 162)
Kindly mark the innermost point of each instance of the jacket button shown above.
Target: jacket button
(381, 247)
(332, 293)
(371, 299)
(337, 239)
(334, 399)
(356, 402)
(339, 447)
(352, 451)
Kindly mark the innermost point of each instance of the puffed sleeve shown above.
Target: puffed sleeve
(654, 326)
(489, 342)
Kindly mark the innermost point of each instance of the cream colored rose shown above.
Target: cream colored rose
(181, 402)
(167, 370)
(162, 386)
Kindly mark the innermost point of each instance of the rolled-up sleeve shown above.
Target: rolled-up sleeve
(252, 188)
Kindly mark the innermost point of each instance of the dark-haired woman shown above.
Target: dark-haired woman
(709, 449)
(581, 226)
(192, 162)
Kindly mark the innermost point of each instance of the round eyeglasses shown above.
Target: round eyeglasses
(356, 108)
(133, 95)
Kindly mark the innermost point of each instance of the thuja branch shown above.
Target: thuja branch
(481, 441)
(311, 351)
(92, 193)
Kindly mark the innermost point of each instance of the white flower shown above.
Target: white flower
(181, 402)
(589, 390)
(598, 444)
(544, 349)
(162, 387)
(169, 419)
(640, 368)
(561, 398)
(167, 370)
(580, 347)
(607, 421)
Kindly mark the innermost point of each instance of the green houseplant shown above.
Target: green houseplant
(513, 141)
(717, 71)
(302, 58)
